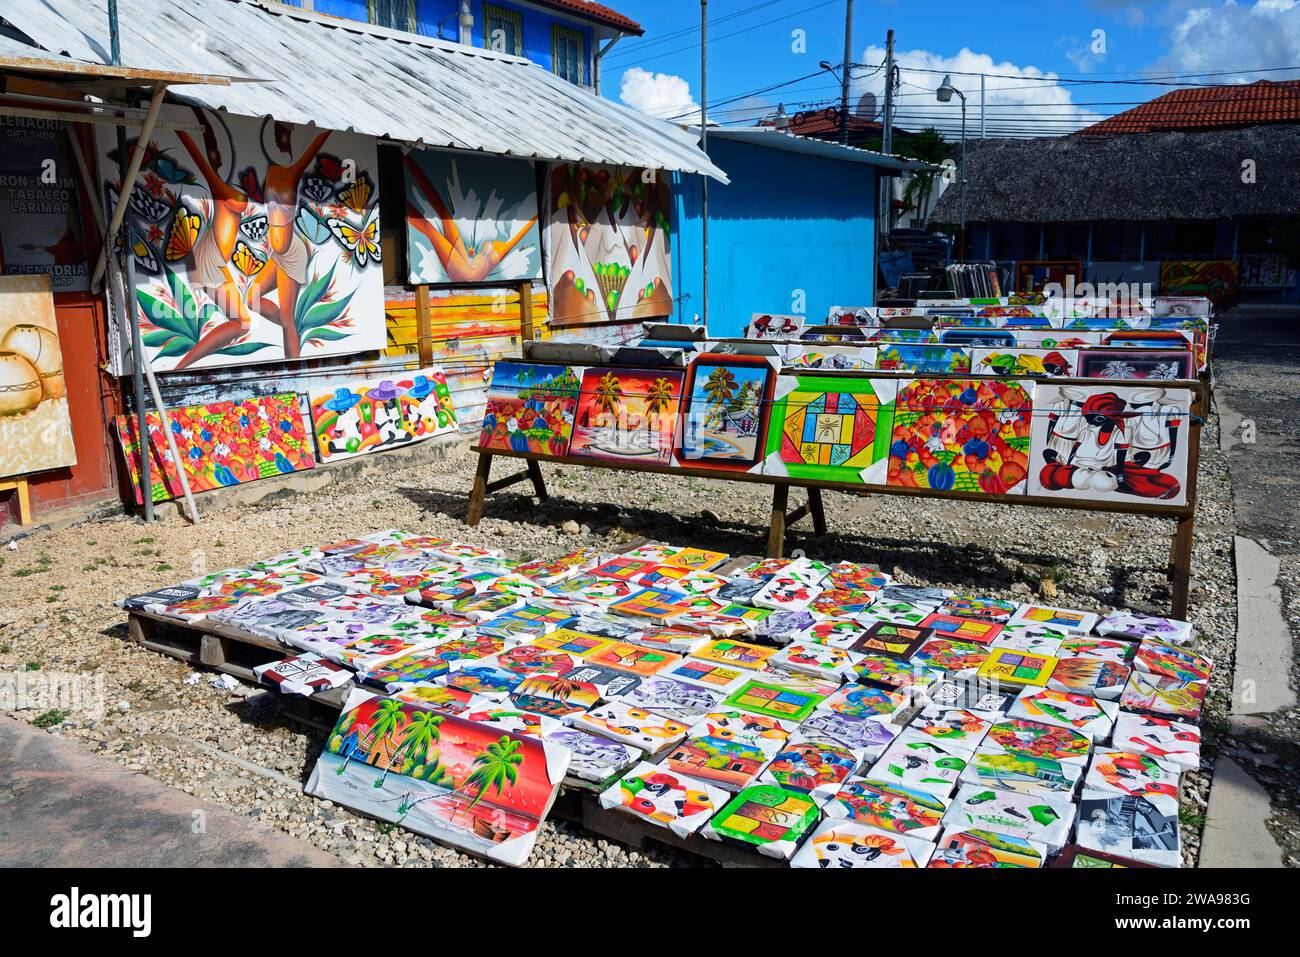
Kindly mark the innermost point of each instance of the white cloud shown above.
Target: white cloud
(1231, 36)
(664, 95)
(1022, 100)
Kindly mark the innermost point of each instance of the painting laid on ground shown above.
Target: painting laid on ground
(725, 409)
(1111, 443)
(471, 219)
(831, 428)
(35, 427)
(531, 408)
(220, 444)
(608, 243)
(462, 782)
(253, 240)
(964, 435)
(627, 415)
(380, 414)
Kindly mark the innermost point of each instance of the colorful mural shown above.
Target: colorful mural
(256, 242)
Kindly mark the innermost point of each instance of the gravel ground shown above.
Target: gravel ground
(235, 748)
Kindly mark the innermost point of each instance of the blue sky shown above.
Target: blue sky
(1044, 57)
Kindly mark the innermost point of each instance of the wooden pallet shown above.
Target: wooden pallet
(235, 652)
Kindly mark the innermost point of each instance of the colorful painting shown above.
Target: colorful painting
(726, 763)
(1080, 712)
(917, 760)
(1215, 279)
(608, 243)
(1037, 739)
(764, 325)
(1173, 742)
(1166, 364)
(725, 410)
(833, 429)
(955, 657)
(736, 654)
(1169, 697)
(837, 844)
(530, 408)
(223, 444)
(864, 701)
(254, 241)
(663, 798)
(812, 767)
(963, 435)
(896, 641)
(467, 784)
(889, 807)
(709, 674)
(1032, 817)
(35, 426)
(1139, 625)
(1091, 676)
(1121, 772)
(774, 700)
(1010, 363)
(470, 219)
(380, 414)
(1157, 657)
(670, 698)
(923, 359)
(885, 672)
(1064, 618)
(771, 819)
(976, 847)
(627, 415)
(1017, 668)
(1111, 443)
(594, 758)
(641, 729)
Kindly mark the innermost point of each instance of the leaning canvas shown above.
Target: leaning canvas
(834, 429)
(531, 408)
(461, 782)
(383, 413)
(35, 426)
(627, 415)
(1111, 443)
(725, 408)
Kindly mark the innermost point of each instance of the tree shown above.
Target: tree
(609, 396)
(496, 767)
(657, 399)
(387, 719)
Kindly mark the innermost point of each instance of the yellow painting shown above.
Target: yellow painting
(35, 427)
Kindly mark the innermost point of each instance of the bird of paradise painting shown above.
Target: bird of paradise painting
(471, 220)
(465, 783)
(627, 415)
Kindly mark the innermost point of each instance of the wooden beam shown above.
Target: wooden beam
(525, 314)
(776, 535)
(479, 491)
(423, 326)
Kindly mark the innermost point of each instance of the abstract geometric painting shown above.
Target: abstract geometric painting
(530, 408)
(831, 428)
(961, 435)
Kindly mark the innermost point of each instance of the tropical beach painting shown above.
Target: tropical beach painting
(460, 782)
(725, 408)
(627, 415)
(530, 408)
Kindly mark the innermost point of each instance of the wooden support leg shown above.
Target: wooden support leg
(1180, 571)
(478, 492)
(776, 537)
(539, 484)
(818, 512)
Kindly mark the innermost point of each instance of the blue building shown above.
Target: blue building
(567, 37)
(793, 233)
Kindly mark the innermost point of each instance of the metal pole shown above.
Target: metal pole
(114, 37)
(131, 314)
(962, 195)
(844, 78)
(981, 106)
(704, 145)
(885, 189)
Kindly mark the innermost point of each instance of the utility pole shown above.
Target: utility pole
(981, 106)
(704, 145)
(885, 214)
(844, 76)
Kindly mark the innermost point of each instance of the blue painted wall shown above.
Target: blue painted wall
(787, 221)
(433, 14)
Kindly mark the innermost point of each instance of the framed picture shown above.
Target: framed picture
(726, 403)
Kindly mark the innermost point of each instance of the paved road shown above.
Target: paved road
(63, 806)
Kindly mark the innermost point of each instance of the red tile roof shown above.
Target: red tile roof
(597, 12)
(824, 124)
(1213, 107)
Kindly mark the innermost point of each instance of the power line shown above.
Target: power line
(644, 43)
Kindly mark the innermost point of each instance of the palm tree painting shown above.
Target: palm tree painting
(627, 414)
(725, 406)
(609, 397)
(495, 769)
(659, 399)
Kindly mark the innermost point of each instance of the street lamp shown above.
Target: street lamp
(944, 95)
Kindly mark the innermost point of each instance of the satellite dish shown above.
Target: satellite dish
(866, 108)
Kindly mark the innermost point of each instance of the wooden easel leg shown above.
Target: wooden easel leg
(539, 484)
(1180, 570)
(818, 511)
(776, 537)
(478, 492)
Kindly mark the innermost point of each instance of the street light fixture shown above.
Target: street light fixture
(944, 95)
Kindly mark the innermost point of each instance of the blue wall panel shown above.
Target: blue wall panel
(786, 222)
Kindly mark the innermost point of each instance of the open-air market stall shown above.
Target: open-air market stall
(349, 251)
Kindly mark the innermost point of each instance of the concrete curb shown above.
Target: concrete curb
(1260, 681)
(1236, 834)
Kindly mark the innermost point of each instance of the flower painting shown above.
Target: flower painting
(725, 411)
(627, 415)
(530, 408)
(465, 783)
(963, 435)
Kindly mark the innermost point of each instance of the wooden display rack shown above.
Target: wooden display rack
(22, 491)
(1180, 555)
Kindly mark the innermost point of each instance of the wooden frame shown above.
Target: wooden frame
(22, 490)
(1180, 556)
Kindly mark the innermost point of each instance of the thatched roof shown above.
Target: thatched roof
(1137, 177)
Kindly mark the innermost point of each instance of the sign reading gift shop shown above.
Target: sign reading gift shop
(254, 241)
(608, 243)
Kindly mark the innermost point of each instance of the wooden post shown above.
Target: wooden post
(525, 314)
(1181, 571)
(423, 326)
(539, 484)
(776, 537)
(479, 491)
(818, 511)
(23, 492)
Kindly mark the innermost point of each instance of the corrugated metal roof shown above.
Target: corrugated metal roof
(343, 75)
(27, 59)
(783, 140)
